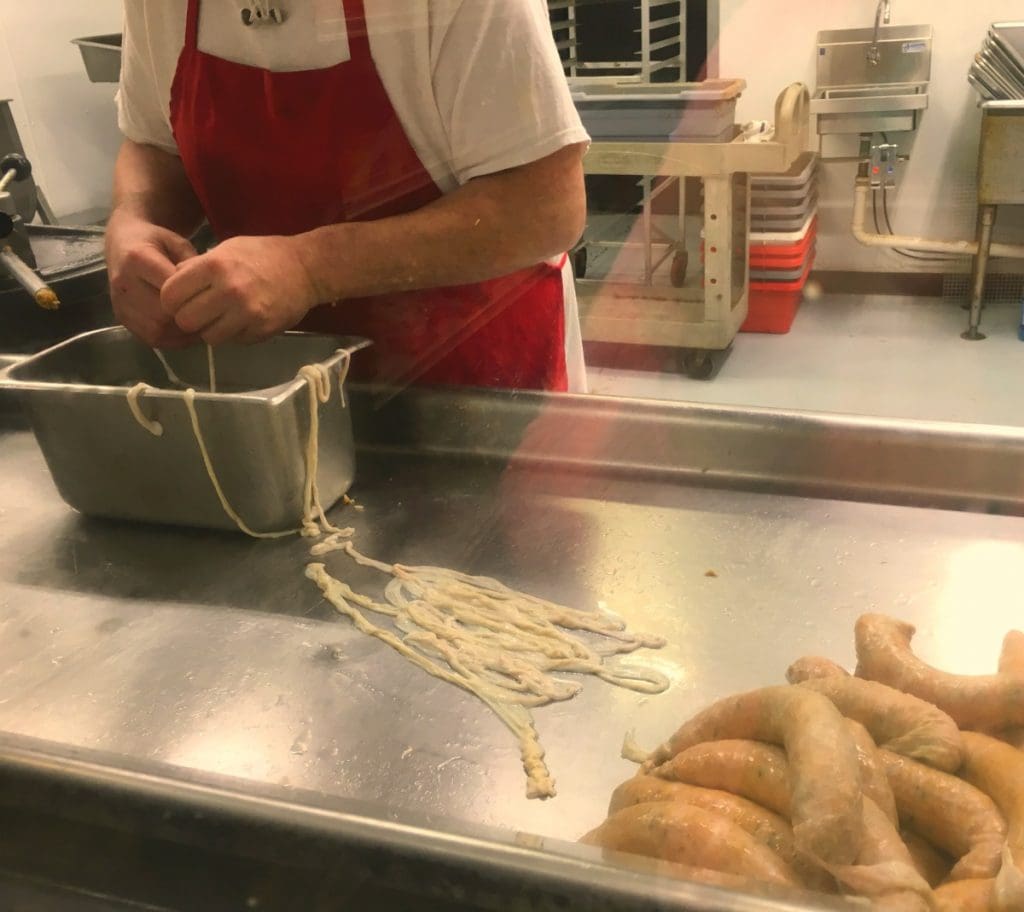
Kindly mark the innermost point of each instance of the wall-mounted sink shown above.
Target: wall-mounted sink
(855, 95)
(876, 97)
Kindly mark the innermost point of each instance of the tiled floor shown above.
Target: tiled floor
(882, 355)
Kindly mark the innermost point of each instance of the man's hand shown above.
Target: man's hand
(141, 257)
(245, 290)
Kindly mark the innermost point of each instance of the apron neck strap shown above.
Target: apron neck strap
(192, 26)
(354, 12)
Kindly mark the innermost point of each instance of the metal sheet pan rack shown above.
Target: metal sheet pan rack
(660, 26)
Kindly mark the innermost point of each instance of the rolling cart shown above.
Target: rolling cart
(698, 314)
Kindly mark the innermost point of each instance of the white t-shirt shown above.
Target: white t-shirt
(477, 84)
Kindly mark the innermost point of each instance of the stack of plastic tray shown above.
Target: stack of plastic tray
(783, 228)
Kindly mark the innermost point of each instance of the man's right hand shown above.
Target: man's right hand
(142, 256)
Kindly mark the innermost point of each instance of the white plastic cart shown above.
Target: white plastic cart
(698, 314)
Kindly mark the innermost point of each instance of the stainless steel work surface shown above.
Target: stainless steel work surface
(214, 654)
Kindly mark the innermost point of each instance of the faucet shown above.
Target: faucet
(883, 13)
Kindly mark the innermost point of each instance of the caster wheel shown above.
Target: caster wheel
(18, 164)
(579, 263)
(698, 365)
(680, 263)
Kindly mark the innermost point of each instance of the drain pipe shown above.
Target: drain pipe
(908, 242)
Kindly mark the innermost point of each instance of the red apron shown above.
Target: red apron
(284, 153)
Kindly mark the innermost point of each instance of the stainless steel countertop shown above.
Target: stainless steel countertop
(214, 654)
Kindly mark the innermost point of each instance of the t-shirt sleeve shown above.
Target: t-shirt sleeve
(499, 85)
(143, 103)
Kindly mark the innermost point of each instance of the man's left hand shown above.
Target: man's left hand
(245, 290)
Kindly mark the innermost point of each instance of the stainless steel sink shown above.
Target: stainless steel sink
(877, 97)
(855, 95)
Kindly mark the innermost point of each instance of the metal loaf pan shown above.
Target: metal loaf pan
(105, 464)
(101, 55)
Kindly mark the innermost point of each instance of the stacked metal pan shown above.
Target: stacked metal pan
(998, 69)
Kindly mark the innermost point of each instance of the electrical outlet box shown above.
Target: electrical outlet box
(885, 159)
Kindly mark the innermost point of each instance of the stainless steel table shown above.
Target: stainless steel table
(201, 675)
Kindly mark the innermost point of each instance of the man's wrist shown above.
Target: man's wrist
(132, 206)
(144, 209)
(324, 254)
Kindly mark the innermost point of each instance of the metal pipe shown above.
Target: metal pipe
(10, 175)
(909, 242)
(986, 222)
(41, 293)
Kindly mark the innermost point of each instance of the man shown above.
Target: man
(407, 170)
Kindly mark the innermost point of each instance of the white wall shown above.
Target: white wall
(68, 124)
(771, 43)
(69, 129)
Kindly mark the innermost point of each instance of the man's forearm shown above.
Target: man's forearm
(151, 184)
(492, 226)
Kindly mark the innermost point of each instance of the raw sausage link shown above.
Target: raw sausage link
(826, 808)
(691, 835)
(897, 721)
(949, 813)
(981, 701)
(764, 825)
(998, 770)
(760, 772)
(964, 896)
(644, 790)
(1011, 661)
(884, 871)
(873, 777)
(810, 667)
(750, 769)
